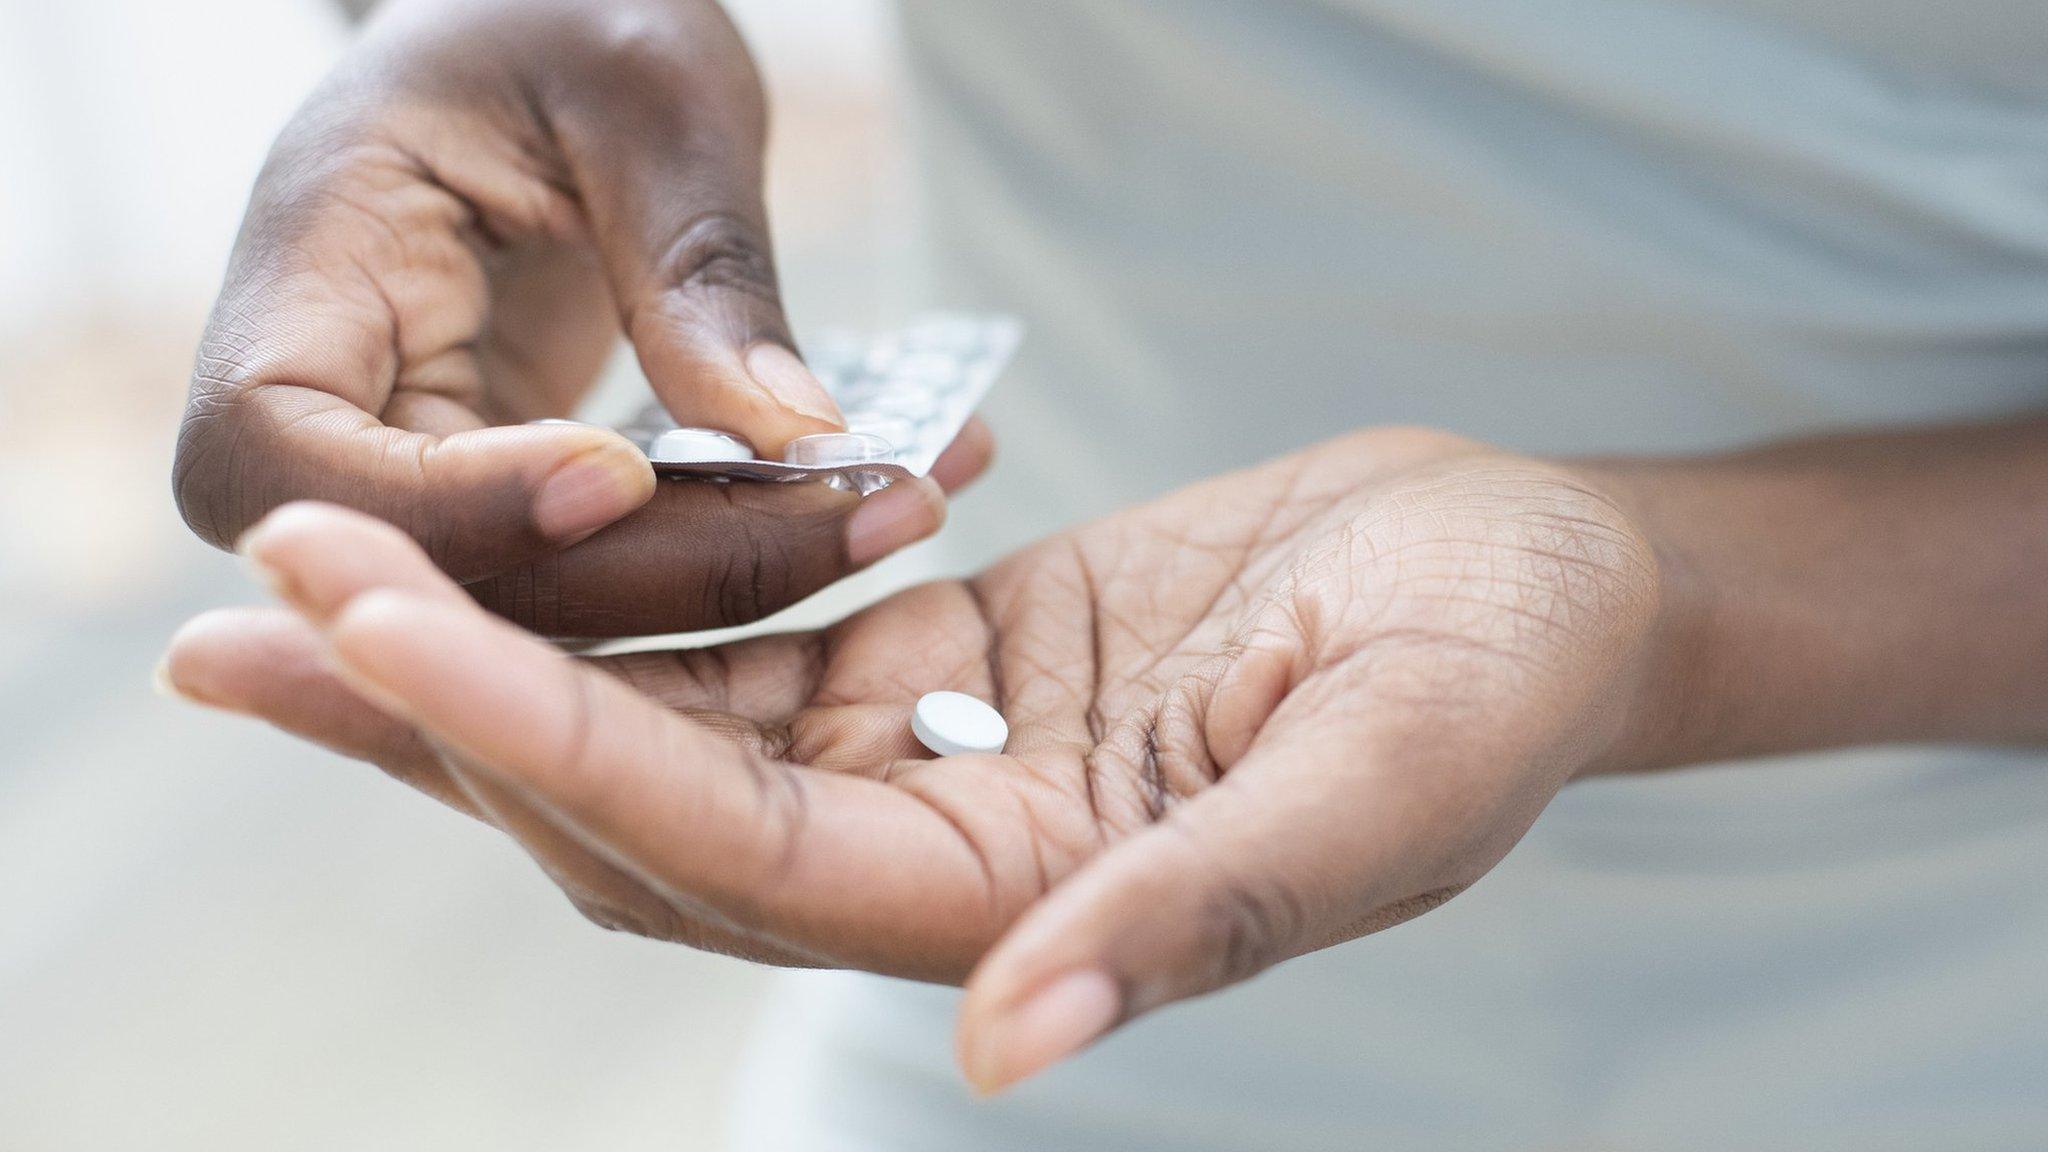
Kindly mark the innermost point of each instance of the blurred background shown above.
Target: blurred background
(212, 936)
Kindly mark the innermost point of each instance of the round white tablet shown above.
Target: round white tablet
(954, 723)
(698, 446)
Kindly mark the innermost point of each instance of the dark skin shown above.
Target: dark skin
(449, 240)
(1186, 679)
(1276, 711)
(1270, 713)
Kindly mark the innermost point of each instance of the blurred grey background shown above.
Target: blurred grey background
(211, 936)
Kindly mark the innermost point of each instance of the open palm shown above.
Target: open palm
(1269, 713)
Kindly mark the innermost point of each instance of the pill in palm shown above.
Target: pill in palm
(954, 723)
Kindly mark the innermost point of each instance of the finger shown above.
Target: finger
(711, 823)
(966, 458)
(482, 500)
(831, 865)
(607, 895)
(270, 664)
(338, 365)
(1309, 840)
(666, 148)
(706, 555)
(315, 557)
(756, 685)
(319, 557)
(1179, 909)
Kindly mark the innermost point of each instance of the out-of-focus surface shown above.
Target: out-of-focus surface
(214, 936)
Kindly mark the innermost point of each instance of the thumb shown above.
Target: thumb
(482, 500)
(1297, 847)
(668, 159)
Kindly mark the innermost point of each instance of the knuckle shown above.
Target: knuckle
(778, 807)
(749, 577)
(1247, 926)
(529, 597)
(1248, 929)
(784, 805)
(654, 921)
(1235, 922)
(599, 913)
(581, 773)
(638, 38)
(730, 590)
(657, 56)
(718, 252)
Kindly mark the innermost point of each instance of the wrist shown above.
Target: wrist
(1674, 703)
(1857, 589)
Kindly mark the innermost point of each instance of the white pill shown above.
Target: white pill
(698, 446)
(832, 449)
(954, 723)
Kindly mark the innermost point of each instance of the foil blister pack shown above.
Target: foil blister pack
(905, 394)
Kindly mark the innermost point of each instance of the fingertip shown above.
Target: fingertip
(592, 488)
(790, 383)
(315, 557)
(267, 547)
(256, 542)
(761, 392)
(967, 457)
(204, 660)
(1003, 1041)
(201, 633)
(290, 533)
(892, 519)
(181, 672)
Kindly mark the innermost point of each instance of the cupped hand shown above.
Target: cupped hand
(1273, 712)
(446, 243)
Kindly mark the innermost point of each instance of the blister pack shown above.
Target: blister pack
(905, 394)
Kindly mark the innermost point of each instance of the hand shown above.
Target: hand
(1273, 712)
(446, 243)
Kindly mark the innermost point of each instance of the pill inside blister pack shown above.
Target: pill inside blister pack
(905, 394)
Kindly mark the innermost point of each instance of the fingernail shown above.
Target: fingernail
(895, 517)
(1045, 1027)
(784, 377)
(272, 579)
(165, 686)
(169, 688)
(966, 457)
(255, 545)
(592, 490)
